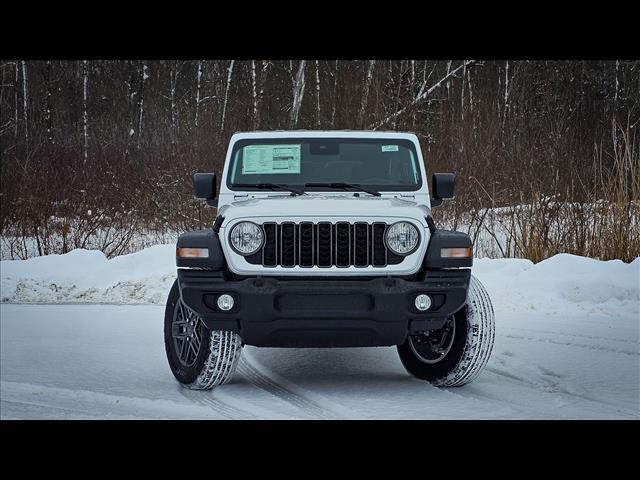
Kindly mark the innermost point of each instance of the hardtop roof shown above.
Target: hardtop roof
(323, 133)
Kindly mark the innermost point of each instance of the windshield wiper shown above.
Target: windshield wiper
(269, 186)
(344, 186)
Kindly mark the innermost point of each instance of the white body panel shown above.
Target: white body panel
(331, 206)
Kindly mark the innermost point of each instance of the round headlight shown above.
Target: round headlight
(246, 238)
(402, 238)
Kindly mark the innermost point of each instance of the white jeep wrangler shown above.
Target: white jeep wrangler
(326, 239)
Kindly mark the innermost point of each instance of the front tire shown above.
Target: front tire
(456, 354)
(199, 358)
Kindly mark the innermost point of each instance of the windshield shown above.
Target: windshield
(379, 164)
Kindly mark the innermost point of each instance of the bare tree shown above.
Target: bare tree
(470, 90)
(254, 93)
(174, 72)
(335, 91)
(25, 102)
(48, 120)
(257, 89)
(15, 118)
(85, 120)
(448, 76)
(198, 79)
(464, 74)
(226, 97)
(143, 77)
(298, 94)
(317, 95)
(506, 95)
(365, 93)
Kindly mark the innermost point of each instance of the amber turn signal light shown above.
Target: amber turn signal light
(456, 252)
(192, 252)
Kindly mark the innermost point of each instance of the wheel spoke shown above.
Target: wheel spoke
(193, 349)
(187, 331)
(184, 349)
(196, 342)
(183, 311)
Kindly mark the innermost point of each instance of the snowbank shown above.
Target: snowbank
(87, 276)
(592, 285)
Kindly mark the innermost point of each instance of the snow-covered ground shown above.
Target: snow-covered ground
(567, 346)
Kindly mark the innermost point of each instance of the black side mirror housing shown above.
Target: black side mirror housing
(442, 187)
(204, 186)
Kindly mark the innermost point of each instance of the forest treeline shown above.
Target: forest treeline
(95, 152)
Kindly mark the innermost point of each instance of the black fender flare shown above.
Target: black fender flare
(447, 239)
(201, 239)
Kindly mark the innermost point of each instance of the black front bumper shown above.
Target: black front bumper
(324, 313)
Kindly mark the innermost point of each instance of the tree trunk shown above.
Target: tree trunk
(317, 95)
(25, 102)
(335, 85)
(464, 74)
(506, 97)
(143, 77)
(448, 82)
(48, 120)
(506, 87)
(172, 96)
(298, 94)
(365, 93)
(470, 91)
(198, 78)
(254, 94)
(226, 98)
(15, 118)
(84, 106)
(412, 90)
(397, 102)
(257, 121)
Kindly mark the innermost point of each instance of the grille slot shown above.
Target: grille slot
(269, 249)
(343, 244)
(288, 244)
(378, 248)
(306, 244)
(360, 245)
(325, 245)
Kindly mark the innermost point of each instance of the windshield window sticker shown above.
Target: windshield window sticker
(389, 148)
(271, 159)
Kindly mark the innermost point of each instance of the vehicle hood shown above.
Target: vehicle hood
(317, 207)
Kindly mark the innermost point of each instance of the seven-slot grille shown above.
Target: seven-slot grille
(324, 244)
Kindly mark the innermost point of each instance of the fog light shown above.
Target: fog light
(225, 302)
(423, 302)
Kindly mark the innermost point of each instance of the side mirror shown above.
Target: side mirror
(442, 187)
(204, 186)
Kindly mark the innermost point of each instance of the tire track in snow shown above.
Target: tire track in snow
(266, 383)
(45, 407)
(205, 398)
(548, 379)
(101, 404)
(548, 383)
(572, 344)
(576, 335)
